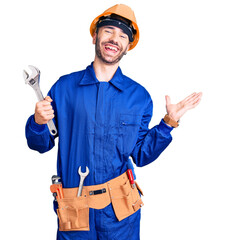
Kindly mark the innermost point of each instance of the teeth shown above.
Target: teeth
(112, 48)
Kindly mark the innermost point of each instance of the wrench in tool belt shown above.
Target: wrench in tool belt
(82, 177)
(56, 187)
(33, 80)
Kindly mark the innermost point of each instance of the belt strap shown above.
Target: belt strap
(92, 193)
(125, 200)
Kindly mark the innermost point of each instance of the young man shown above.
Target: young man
(102, 118)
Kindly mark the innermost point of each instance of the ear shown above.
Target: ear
(94, 38)
(128, 47)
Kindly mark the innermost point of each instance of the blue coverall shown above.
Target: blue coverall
(100, 124)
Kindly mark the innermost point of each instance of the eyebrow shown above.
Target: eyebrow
(112, 27)
(109, 27)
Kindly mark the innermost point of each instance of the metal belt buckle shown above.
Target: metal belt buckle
(96, 192)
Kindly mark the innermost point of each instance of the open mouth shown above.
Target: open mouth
(111, 48)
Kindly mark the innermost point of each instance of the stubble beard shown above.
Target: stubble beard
(102, 58)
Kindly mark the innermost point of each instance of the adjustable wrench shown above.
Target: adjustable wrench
(33, 80)
(82, 177)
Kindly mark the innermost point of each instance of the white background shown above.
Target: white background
(181, 50)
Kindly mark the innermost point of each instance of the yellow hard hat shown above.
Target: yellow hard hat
(122, 11)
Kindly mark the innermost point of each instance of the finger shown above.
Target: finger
(46, 107)
(47, 98)
(45, 103)
(47, 116)
(195, 104)
(200, 94)
(198, 100)
(189, 97)
(195, 101)
(42, 108)
(194, 98)
(50, 112)
(168, 100)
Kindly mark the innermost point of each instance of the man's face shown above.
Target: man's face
(111, 44)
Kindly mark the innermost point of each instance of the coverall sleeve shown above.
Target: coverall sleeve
(38, 136)
(151, 142)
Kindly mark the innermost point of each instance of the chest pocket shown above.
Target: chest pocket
(128, 131)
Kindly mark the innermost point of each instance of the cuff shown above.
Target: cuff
(164, 128)
(36, 127)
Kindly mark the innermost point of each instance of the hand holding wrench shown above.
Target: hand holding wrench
(33, 81)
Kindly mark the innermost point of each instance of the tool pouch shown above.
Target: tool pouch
(125, 200)
(73, 214)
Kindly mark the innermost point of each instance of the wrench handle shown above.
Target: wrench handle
(80, 188)
(38, 92)
(51, 127)
(50, 124)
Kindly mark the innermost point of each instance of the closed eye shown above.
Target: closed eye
(123, 36)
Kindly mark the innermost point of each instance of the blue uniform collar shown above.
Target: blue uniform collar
(117, 81)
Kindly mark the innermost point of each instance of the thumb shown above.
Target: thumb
(47, 98)
(168, 100)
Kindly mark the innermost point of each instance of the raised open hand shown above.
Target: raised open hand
(176, 111)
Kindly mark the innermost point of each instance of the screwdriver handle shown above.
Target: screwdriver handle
(131, 177)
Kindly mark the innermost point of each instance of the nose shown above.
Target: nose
(114, 39)
(115, 35)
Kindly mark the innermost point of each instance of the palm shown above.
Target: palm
(176, 111)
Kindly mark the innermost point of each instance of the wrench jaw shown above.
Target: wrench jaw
(82, 177)
(25, 76)
(85, 173)
(33, 78)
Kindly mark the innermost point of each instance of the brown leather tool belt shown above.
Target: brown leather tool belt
(73, 211)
